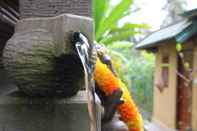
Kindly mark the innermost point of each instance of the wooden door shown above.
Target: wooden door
(184, 91)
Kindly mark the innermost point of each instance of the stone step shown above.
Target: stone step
(153, 126)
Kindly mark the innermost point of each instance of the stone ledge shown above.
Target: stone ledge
(49, 114)
(18, 99)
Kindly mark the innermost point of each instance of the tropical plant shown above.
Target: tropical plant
(109, 33)
(107, 17)
(133, 67)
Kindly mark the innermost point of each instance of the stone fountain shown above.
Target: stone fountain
(42, 63)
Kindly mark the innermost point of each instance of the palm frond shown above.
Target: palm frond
(119, 55)
(114, 16)
(118, 36)
(120, 45)
(99, 12)
(129, 26)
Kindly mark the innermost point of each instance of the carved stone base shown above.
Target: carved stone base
(19, 113)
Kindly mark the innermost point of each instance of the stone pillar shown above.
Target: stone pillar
(46, 35)
(20, 113)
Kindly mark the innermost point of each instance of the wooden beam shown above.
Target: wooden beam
(6, 19)
(10, 9)
(194, 89)
(8, 14)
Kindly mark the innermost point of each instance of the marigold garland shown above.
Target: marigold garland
(108, 83)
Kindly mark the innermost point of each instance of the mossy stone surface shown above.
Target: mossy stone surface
(40, 57)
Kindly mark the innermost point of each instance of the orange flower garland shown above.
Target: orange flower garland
(108, 83)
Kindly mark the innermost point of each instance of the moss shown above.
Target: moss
(38, 70)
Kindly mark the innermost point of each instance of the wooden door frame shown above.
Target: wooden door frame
(184, 93)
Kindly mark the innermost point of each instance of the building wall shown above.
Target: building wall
(194, 90)
(164, 111)
(45, 8)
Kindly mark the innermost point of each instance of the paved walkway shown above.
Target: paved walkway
(150, 126)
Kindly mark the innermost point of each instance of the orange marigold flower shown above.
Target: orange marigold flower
(108, 83)
(105, 79)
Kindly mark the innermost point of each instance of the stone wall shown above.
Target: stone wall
(44, 8)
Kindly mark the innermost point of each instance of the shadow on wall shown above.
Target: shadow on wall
(9, 14)
(6, 85)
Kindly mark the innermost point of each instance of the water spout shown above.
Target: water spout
(82, 46)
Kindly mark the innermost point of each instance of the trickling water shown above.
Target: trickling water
(82, 50)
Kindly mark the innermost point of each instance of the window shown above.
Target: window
(165, 70)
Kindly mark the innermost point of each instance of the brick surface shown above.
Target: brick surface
(45, 8)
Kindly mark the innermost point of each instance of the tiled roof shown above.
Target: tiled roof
(181, 31)
(163, 34)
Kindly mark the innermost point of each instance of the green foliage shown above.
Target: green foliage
(106, 19)
(99, 12)
(123, 35)
(136, 69)
(120, 55)
(109, 20)
(178, 47)
(142, 80)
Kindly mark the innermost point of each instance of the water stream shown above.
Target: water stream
(82, 50)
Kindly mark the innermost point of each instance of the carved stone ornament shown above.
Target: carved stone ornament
(40, 57)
